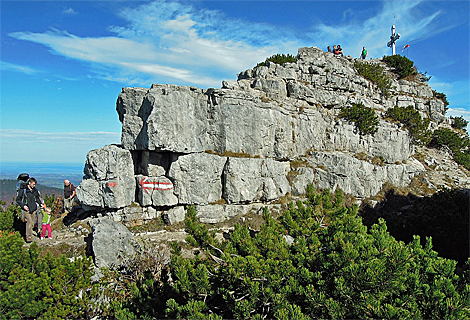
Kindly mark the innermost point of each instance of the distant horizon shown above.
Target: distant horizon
(47, 173)
(41, 162)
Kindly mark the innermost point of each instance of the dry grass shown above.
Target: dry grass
(232, 154)
(149, 226)
(294, 164)
(220, 201)
(378, 161)
(68, 250)
(362, 156)
(265, 99)
(291, 176)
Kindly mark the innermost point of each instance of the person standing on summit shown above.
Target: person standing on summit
(28, 200)
(69, 195)
(364, 53)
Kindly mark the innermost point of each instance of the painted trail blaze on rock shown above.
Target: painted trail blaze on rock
(111, 184)
(155, 185)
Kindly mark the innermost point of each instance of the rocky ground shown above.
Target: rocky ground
(441, 173)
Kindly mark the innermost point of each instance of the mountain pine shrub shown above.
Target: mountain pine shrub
(459, 122)
(376, 73)
(364, 118)
(459, 144)
(8, 216)
(402, 66)
(411, 119)
(279, 59)
(33, 286)
(333, 268)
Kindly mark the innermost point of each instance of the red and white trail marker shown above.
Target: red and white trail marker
(155, 185)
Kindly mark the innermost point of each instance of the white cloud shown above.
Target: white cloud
(171, 41)
(52, 137)
(69, 11)
(17, 68)
(375, 32)
(459, 112)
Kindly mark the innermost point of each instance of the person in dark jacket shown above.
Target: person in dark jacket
(28, 200)
(69, 195)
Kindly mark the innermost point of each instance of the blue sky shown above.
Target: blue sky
(63, 63)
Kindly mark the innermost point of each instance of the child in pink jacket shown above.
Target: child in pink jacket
(46, 223)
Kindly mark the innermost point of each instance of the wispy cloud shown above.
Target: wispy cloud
(51, 147)
(167, 41)
(17, 68)
(48, 137)
(69, 11)
(371, 32)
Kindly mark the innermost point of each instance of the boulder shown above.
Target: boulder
(112, 244)
(134, 215)
(109, 178)
(174, 215)
(359, 178)
(221, 212)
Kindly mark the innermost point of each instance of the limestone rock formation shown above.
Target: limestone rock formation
(112, 243)
(225, 150)
(109, 180)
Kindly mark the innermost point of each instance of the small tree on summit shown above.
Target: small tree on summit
(279, 59)
(402, 66)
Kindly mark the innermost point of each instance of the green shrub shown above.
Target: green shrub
(279, 59)
(364, 118)
(376, 73)
(411, 119)
(7, 216)
(449, 138)
(459, 122)
(402, 66)
(334, 268)
(462, 158)
(441, 96)
(457, 143)
(32, 286)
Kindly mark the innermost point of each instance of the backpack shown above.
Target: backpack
(21, 183)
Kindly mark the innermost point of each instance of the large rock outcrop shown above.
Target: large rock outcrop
(112, 243)
(240, 144)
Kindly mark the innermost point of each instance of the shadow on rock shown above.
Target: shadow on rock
(75, 215)
(443, 216)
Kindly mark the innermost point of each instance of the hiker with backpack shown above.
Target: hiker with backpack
(28, 199)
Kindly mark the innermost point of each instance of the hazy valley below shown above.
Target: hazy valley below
(47, 174)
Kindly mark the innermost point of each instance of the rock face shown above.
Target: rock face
(109, 179)
(112, 243)
(239, 145)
